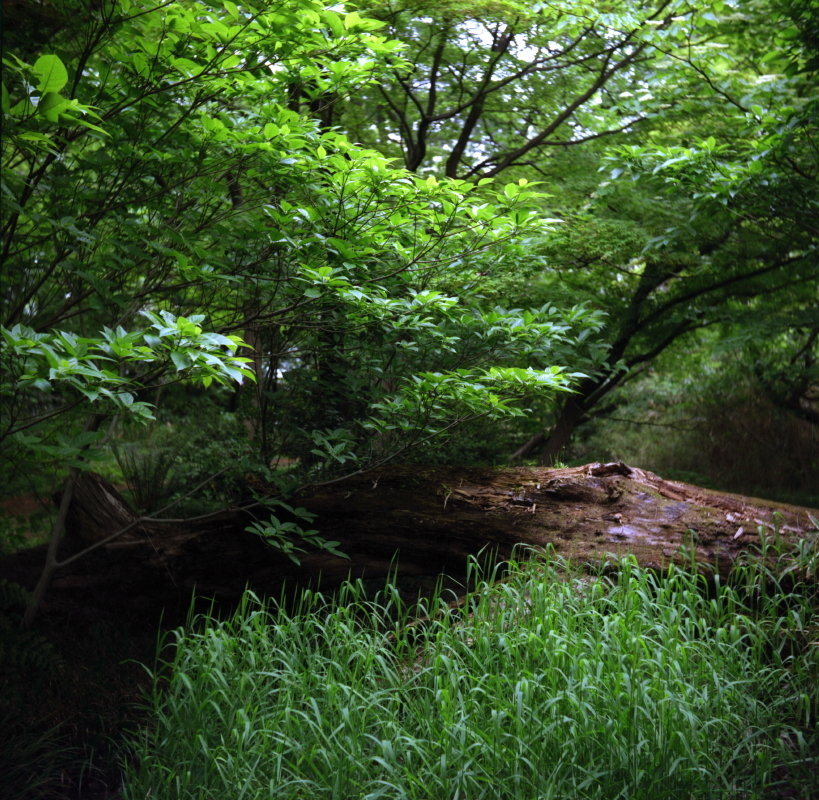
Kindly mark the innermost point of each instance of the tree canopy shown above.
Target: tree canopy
(373, 225)
(170, 214)
(680, 147)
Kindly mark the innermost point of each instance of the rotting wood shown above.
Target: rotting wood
(421, 521)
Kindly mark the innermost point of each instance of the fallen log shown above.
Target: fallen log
(434, 518)
(418, 521)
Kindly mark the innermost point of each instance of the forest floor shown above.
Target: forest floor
(67, 720)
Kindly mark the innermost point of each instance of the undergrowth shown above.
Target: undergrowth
(550, 684)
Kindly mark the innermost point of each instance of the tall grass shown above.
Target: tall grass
(551, 684)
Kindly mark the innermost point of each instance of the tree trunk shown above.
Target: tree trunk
(571, 414)
(420, 521)
(573, 411)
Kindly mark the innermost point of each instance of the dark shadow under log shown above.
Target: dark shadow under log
(421, 520)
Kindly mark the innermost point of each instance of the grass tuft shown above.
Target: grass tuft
(551, 684)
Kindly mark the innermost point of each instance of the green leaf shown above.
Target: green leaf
(187, 67)
(334, 23)
(53, 74)
(351, 20)
(6, 100)
(51, 105)
(23, 108)
(68, 119)
(181, 360)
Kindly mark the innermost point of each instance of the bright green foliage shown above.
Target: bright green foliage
(493, 86)
(43, 101)
(67, 371)
(206, 192)
(713, 219)
(550, 685)
(704, 211)
(737, 244)
(50, 361)
(166, 162)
